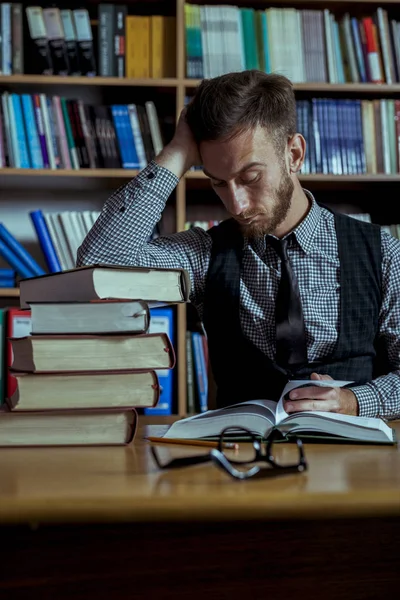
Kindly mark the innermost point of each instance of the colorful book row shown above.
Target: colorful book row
(348, 137)
(51, 132)
(304, 45)
(54, 41)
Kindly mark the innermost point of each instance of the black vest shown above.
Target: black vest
(241, 371)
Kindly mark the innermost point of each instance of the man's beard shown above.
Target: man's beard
(270, 220)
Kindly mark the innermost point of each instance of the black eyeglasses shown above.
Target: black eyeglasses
(241, 465)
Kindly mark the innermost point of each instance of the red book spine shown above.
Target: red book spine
(374, 66)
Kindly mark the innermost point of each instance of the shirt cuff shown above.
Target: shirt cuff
(154, 175)
(368, 401)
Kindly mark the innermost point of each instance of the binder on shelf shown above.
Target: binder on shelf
(41, 62)
(84, 39)
(162, 321)
(55, 35)
(70, 42)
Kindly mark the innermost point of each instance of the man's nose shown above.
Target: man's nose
(238, 201)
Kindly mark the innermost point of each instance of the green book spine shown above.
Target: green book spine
(249, 35)
(70, 138)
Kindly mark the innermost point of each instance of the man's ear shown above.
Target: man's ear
(296, 152)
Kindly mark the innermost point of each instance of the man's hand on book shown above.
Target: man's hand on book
(326, 399)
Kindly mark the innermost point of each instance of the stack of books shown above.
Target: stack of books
(90, 360)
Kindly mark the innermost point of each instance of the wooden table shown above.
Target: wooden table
(106, 523)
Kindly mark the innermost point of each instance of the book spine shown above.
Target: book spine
(45, 241)
(70, 42)
(15, 262)
(85, 42)
(20, 131)
(6, 38)
(17, 38)
(119, 40)
(47, 131)
(7, 283)
(200, 371)
(7, 274)
(40, 128)
(7, 130)
(32, 132)
(41, 59)
(13, 132)
(19, 252)
(71, 143)
(106, 38)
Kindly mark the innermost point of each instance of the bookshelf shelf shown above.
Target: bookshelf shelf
(9, 292)
(320, 178)
(85, 81)
(79, 173)
(330, 88)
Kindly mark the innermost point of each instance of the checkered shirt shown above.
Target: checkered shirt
(120, 236)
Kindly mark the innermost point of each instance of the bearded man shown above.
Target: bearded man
(286, 288)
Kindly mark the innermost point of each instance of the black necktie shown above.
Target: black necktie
(291, 346)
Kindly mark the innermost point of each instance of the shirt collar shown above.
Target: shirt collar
(306, 230)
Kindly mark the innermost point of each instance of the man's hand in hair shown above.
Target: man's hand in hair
(182, 152)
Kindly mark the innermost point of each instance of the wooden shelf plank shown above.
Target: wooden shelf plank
(9, 292)
(85, 81)
(330, 88)
(93, 173)
(129, 173)
(365, 177)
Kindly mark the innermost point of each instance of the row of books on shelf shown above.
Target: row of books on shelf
(50, 41)
(304, 45)
(82, 355)
(51, 132)
(347, 137)
(60, 234)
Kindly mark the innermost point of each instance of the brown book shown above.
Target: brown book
(75, 353)
(68, 428)
(95, 282)
(75, 391)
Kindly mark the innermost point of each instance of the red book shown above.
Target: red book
(374, 65)
(18, 325)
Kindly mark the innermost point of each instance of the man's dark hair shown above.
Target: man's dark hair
(225, 106)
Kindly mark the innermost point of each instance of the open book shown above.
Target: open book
(261, 416)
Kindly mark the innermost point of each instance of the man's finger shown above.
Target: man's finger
(317, 376)
(311, 391)
(312, 405)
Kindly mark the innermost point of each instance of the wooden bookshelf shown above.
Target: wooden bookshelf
(84, 173)
(9, 292)
(179, 86)
(332, 88)
(40, 80)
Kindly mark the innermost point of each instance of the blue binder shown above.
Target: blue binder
(162, 321)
